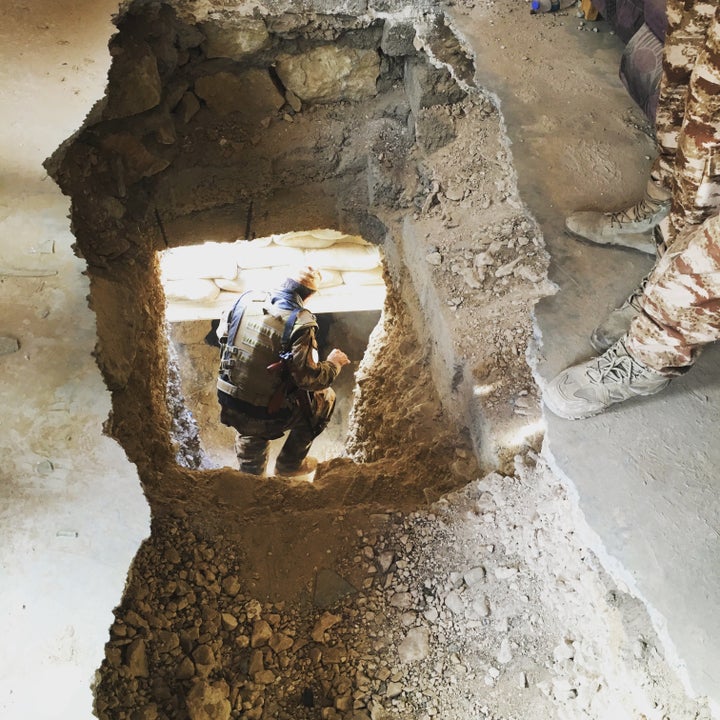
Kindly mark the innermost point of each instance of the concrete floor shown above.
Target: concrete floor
(645, 474)
(72, 512)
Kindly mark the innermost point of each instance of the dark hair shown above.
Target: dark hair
(292, 286)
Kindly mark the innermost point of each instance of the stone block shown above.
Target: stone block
(251, 94)
(426, 85)
(330, 73)
(133, 82)
(236, 39)
(397, 38)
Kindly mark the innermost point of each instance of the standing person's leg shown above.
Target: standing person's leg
(687, 25)
(681, 302)
(680, 315)
(696, 175)
(252, 454)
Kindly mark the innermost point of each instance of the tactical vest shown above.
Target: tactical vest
(263, 333)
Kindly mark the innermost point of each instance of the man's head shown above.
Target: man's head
(304, 281)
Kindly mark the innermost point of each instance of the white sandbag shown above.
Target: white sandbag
(330, 278)
(317, 239)
(209, 260)
(250, 257)
(354, 240)
(256, 279)
(344, 256)
(233, 286)
(196, 290)
(304, 240)
(364, 277)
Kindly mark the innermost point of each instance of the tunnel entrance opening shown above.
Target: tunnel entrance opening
(203, 282)
(239, 126)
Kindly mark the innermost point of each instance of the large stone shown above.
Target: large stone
(8, 345)
(415, 646)
(251, 95)
(426, 85)
(234, 40)
(330, 73)
(208, 701)
(397, 38)
(136, 659)
(133, 82)
(261, 634)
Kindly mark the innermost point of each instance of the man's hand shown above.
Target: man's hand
(338, 358)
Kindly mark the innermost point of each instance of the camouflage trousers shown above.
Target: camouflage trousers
(688, 115)
(681, 302)
(252, 442)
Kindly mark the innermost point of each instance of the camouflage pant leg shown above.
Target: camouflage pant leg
(304, 430)
(688, 21)
(252, 442)
(696, 191)
(681, 302)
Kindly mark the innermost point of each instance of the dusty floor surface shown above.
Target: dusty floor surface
(403, 583)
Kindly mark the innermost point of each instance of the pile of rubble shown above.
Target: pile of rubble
(484, 606)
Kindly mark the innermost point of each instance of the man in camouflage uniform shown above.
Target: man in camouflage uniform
(271, 379)
(660, 330)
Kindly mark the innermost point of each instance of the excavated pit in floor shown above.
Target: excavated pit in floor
(266, 599)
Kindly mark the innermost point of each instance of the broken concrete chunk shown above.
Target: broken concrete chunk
(434, 128)
(397, 38)
(235, 40)
(415, 646)
(330, 73)
(426, 85)
(9, 345)
(251, 95)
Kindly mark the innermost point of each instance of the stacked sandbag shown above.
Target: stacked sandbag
(217, 273)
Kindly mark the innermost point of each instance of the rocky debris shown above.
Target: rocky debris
(437, 630)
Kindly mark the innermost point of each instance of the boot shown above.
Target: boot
(591, 387)
(631, 228)
(307, 466)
